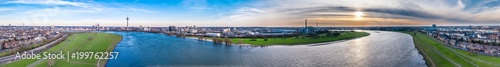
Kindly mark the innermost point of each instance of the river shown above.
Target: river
(383, 49)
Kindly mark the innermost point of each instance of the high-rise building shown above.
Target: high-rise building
(434, 26)
(53, 27)
(172, 28)
(226, 30)
(127, 24)
(97, 27)
(1, 45)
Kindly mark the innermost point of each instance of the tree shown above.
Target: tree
(215, 40)
(329, 34)
(199, 38)
(228, 41)
(253, 38)
(183, 35)
(219, 40)
(471, 52)
(90, 38)
(283, 36)
(336, 34)
(316, 36)
(51, 62)
(265, 39)
(240, 41)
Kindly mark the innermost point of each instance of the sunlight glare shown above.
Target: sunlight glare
(358, 15)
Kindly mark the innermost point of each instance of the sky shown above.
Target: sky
(162, 13)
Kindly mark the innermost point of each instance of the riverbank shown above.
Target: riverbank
(111, 48)
(298, 40)
(438, 55)
(81, 42)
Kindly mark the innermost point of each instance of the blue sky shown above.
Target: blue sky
(248, 12)
(114, 12)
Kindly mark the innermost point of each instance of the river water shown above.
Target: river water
(383, 49)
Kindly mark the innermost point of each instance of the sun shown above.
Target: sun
(358, 15)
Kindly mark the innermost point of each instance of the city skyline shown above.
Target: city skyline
(248, 12)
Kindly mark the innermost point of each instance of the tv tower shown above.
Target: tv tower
(127, 24)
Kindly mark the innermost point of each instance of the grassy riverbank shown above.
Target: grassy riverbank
(81, 42)
(303, 40)
(438, 55)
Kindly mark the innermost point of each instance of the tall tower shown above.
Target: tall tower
(306, 23)
(97, 28)
(127, 24)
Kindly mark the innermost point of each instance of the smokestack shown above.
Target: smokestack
(317, 24)
(306, 23)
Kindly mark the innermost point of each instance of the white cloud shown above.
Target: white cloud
(46, 2)
(76, 7)
(62, 12)
(140, 10)
(197, 5)
(81, 4)
(6, 9)
(199, 8)
(446, 11)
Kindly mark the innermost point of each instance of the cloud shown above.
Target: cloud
(45, 2)
(242, 12)
(61, 6)
(49, 12)
(199, 8)
(6, 9)
(404, 11)
(140, 10)
(80, 4)
(198, 5)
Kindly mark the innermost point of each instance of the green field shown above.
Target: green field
(438, 55)
(81, 42)
(296, 41)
